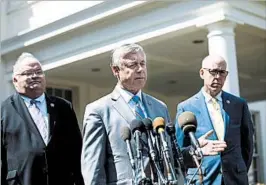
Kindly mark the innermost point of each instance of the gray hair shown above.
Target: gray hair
(123, 50)
(24, 56)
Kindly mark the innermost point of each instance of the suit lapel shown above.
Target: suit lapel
(225, 109)
(121, 106)
(148, 106)
(23, 111)
(51, 111)
(202, 108)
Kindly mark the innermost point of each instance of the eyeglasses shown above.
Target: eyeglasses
(214, 72)
(30, 74)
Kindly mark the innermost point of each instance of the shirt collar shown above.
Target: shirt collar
(39, 99)
(128, 95)
(209, 97)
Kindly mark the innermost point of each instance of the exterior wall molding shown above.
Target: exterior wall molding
(67, 46)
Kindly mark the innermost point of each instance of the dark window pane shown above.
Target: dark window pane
(49, 91)
(58, 92)
(68, 95)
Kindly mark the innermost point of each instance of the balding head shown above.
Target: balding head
(212, 61)
(213, 73)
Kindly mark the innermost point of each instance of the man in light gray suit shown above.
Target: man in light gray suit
(104, 157)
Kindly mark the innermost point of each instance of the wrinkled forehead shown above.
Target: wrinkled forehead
(214, 62)
(134, 56)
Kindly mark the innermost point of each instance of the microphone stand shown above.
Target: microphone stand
(144, 180)
(194, 156)
(154, 161)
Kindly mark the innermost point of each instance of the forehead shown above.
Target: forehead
(214, 63)
(136, 55)
(28, 64)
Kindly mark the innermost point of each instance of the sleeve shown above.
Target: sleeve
(3, 157)
(183, 141)
(93, 155)
(76, 141)
(247, 132)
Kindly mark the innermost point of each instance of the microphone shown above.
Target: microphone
(188, 123)
(158, 126)
(170, 129)
(137, 128)
(148, 125)
(126, 136)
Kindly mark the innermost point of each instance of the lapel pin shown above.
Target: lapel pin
(227, 101)
(52, 104)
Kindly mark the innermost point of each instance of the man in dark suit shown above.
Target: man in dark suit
(230, 119)
(104, 153)
(40, 138)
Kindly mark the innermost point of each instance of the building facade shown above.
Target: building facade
(73, 40)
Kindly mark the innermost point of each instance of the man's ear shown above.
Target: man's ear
(201, 72)
(115, 70)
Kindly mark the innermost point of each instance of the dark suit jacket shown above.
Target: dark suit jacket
(26, 160)
(234, 162)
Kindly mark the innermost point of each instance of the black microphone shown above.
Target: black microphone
(137, 127)
(126, 136)
(153, 153)
(158, 126)
(170, 129)
(188, 123)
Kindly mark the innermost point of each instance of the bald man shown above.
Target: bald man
(228, 152)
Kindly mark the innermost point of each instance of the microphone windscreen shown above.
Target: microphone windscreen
(170, 128)
(147, 123)
(125, 133)
(158, 123)
(137, 125)
(187, 122)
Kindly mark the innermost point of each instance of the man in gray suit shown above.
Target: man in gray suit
(104, 157)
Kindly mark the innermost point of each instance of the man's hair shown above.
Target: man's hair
(123, 50)
(21, 58)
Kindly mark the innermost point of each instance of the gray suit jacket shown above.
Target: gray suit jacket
(104, 157)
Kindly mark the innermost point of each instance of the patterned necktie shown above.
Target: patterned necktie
(218, 122)
(138, 110)
(39, 120)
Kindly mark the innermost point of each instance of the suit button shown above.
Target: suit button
(45, 170)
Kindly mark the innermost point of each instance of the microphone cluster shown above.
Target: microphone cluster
(163, 153)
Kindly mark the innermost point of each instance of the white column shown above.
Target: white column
(221, 41)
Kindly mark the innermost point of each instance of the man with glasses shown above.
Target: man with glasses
(228, 152)
(104, 153)
(40, 138)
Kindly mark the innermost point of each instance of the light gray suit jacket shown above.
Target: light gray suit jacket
(104, 157)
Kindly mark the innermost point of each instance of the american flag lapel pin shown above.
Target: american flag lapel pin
(228, 101)
(52, 104)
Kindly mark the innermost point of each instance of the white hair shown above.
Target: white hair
(24, 56)
(123, 50)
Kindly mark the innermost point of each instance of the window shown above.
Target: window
(63, 93)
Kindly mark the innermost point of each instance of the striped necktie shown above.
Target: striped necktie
(218, 122)
(39, 120)
(138, 110)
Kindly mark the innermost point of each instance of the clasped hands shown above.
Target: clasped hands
(211, 147)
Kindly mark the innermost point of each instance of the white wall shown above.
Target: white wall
(260, 107)
(23, 16)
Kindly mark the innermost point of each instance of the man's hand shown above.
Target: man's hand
(211, 147)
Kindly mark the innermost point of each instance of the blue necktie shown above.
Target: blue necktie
(138, 110)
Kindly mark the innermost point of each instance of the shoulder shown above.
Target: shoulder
(58, 102)
(154, 100)
(100, 104)
(234, 98)
(190, 101)
(8, 101)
